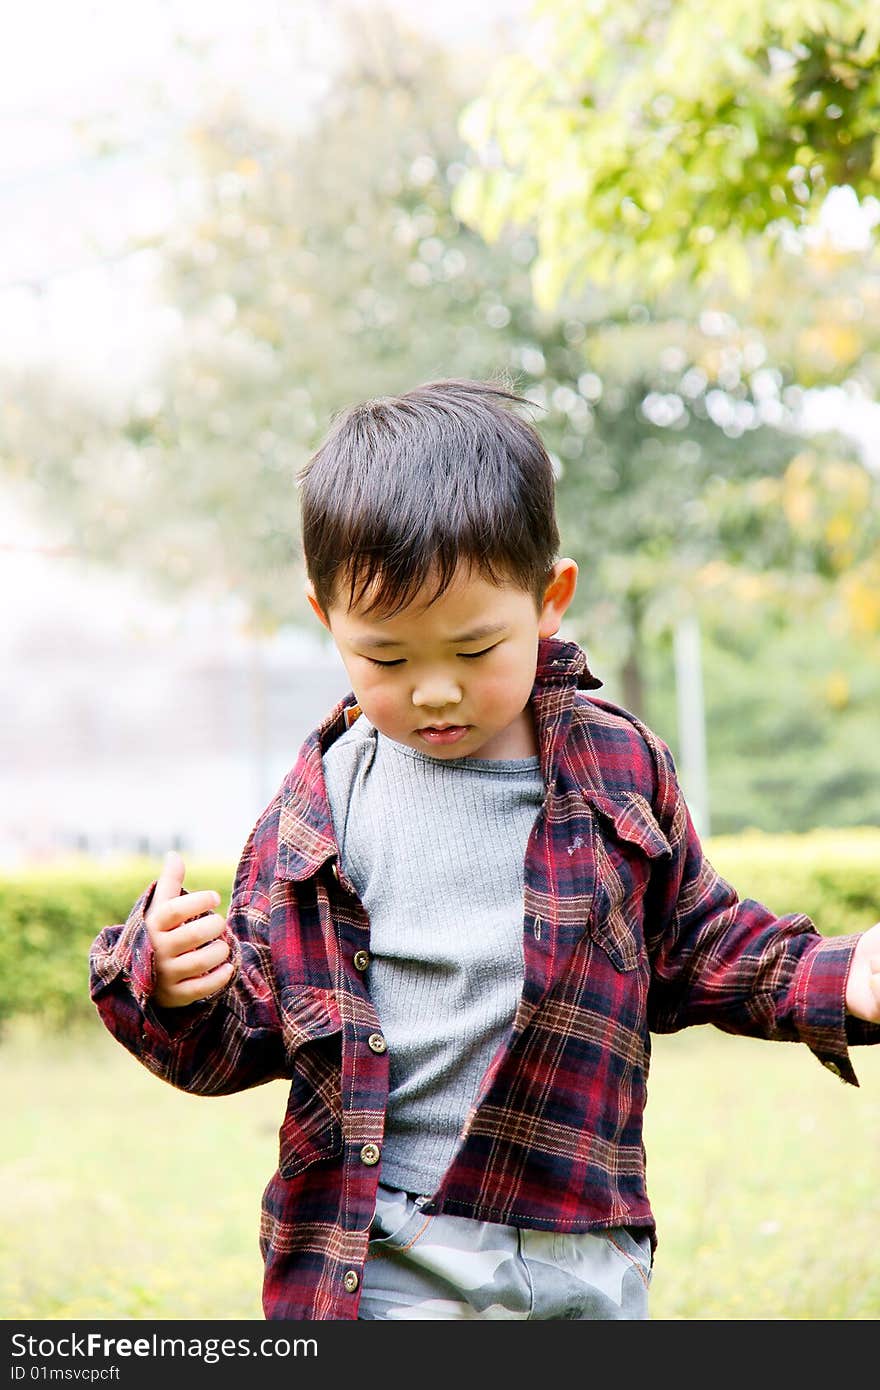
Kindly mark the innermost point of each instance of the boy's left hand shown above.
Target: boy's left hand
(863, 980)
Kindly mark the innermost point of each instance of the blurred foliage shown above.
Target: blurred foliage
(49, 917)
(805, 543)
(648, 143)
(832, 876)
(791, 717)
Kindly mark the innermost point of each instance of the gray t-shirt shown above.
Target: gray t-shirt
(435, 848)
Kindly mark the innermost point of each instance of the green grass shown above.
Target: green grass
(123, 1198)
(762, 1172)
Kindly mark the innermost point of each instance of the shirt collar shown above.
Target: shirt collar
(305, 830)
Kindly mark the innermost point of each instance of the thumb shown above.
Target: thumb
(170, 882)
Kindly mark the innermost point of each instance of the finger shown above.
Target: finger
(188, 991)
(192, 935)
(218, 979)
(194, 964)
(188, 908)
(170, 880)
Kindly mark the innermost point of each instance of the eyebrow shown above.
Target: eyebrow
(487, 630)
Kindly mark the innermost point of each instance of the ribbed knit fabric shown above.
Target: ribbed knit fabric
(435, 849)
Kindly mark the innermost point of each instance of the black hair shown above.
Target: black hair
(407, 488)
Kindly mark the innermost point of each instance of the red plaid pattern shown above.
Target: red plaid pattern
(627, 929)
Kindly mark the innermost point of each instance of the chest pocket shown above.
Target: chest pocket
(312, 1125)
(629, 842)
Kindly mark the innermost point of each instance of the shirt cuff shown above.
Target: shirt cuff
(130, 954)
(820, 1014)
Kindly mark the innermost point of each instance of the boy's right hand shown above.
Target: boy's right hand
(178, 925)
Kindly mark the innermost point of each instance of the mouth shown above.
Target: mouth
(443, 733)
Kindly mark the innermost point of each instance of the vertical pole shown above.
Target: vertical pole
(692, 720)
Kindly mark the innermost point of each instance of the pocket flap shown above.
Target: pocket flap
(307, 1013)
(633, 819)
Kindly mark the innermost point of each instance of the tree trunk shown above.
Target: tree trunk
(631, 672)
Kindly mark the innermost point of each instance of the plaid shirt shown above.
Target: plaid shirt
(627, 929)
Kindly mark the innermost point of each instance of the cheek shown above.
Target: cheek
(380, 700)
(503, 689)
(384, 705)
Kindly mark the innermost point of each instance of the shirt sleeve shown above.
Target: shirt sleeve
(229, 1042)
(716, 958)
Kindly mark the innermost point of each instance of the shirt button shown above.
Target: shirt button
(361, 960)
(350, 1280)
(334, 869)
(377, 1042)
(370, 1154)
(833, 1067)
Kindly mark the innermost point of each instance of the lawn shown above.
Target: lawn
(127, 1199)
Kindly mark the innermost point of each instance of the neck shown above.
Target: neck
(518, 740)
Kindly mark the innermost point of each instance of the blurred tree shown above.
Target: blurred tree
(332, 268)
(791, 714)
(647, 142)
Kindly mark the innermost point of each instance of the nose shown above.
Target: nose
(436, 693)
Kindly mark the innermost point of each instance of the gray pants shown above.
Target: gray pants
(452, 1267)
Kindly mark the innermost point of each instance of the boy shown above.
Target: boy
(473, 896)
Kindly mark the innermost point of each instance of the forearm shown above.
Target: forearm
(732, 962)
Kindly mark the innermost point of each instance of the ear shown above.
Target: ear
(315, 606)
(557, 596)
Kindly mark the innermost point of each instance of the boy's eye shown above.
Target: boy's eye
(469, 656)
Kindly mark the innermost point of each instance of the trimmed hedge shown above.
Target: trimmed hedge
(49, 916)
(831, 875)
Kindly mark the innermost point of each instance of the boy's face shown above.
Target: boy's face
(452, 679)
